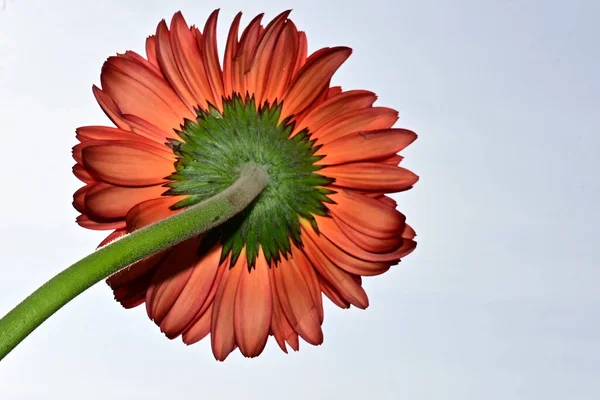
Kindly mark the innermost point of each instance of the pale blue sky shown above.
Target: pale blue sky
(500, 300)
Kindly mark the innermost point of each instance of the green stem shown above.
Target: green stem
(58, 291)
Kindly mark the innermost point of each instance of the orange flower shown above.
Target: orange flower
(185, 125)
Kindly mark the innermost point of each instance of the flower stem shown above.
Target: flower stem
(58, 291)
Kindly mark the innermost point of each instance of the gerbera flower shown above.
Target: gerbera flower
(185, 126)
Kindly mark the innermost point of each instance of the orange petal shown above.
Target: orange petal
(253, 309)
(282, 63)
(409, 233)
(222, 329)
(190, 61)
(366, 215)
(296, 301)
(371, 176)
(310, 276)
(369, 243)
(366, 119)
(79, 197)
(81, 174)
(194, 295)
(168, 65)
(332, 231)
(208, 44)
(345, 261)
(112, 237)
(231, 49)
(108, 201)
(334, 106)
(370, 145)
(157, 104)
(245, 49)
(109, 107)
(151, 211)
(133, 293)
(151, 50)
(170, 278)
(199, 329)
(127, 163)
(342, 281)
(99, 225)
(147, 130)
(135, 270)
(312, 79)
(132, 55)
(94, 133)
(332, 294)
(260, 62)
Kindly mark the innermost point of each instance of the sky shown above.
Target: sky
(500, 299)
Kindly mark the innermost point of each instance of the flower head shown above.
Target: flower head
(184, 128)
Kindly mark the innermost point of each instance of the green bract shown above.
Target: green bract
(210, 154)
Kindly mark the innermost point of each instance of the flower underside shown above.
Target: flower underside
(212, 151)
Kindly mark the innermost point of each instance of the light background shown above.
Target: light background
(500, 300)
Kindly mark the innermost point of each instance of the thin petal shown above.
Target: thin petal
(194, 294)
(231, 49)
(170, 279)
(82, 174)
(312, 79)
(371, 176)
(222, 326)
(99, 225)
(369, 243)
(127, 163)
(310, 277)
(108, 201)
(151, 51)
(151, 211)
(331, 108)
(342, 281)
(253, 309)
(363, 146)
(190, 61)
(344, 260)
(282, 63)
(297, 302)
(332, 294)
(212, 66)
(374, 219)
(366, 119)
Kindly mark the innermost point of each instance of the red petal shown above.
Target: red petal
(171, 277)
(366, 119)
(361, 146)
(151, 211)
(345, 261)
(296, 301)
(313, 79)
(369, 243)
(282, 63)
(222, 328)
(190, 61)
(82, 174)
(260, 62)
(242, 56)
(199, 329)
(151, 51)
(127, 163)
(310, 277)
(230, 52)
(332, 294)
(253, 309)
(84, 221)
(208, 44)
(371, 176)
(194, 295)
(108, 201)
(134, 271)
(334, 106)
(103, 133)
(338, 278)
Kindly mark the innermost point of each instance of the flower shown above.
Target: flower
(184, 127)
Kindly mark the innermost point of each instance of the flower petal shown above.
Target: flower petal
(253, 309)
(310, 277)
(374, 219)
(366, 119)
(222, 327)
(371, 176)
(369, 243)
(313, 79)
(194, 295)
(342, 281)
(282, 63)
(189, 59)
(170, 279)
(212, 66)
(345, 261)
(108, 201)
(363, 146)
(297, 302)
(127, 163)
(99, 225)
(151, 211)
(331, 108)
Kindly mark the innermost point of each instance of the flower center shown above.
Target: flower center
(210, 155)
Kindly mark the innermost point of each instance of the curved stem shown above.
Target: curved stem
(58, 291)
